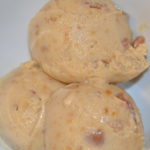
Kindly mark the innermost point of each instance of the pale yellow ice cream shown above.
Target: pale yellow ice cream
(74, 40)
(92, 117)
(23, 94)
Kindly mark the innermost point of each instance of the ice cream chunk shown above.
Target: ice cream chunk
(23, 94)
(75, 40)
(96, 117)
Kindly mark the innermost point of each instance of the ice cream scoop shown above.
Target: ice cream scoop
(74, 40)
(23, 94)
(92, 116)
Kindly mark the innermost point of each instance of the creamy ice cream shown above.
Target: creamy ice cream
(91, 117)
(74, 40)
(23, 94)
(84, 41)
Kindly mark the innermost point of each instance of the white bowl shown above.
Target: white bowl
(15, 16)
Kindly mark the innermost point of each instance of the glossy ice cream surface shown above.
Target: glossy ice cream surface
(23, 94)
(89, 116)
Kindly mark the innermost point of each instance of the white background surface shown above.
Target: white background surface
(15, 16)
